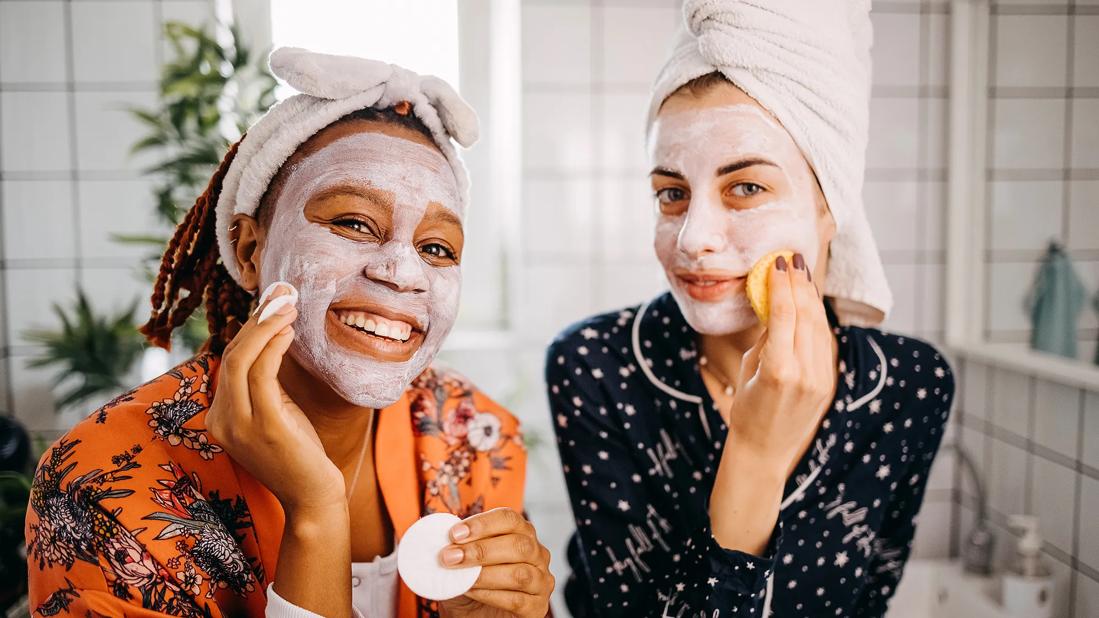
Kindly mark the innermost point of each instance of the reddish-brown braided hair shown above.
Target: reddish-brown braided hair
(191, 272)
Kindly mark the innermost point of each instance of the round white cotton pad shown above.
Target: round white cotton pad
(418, 560)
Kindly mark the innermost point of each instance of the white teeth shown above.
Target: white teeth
(381, 327)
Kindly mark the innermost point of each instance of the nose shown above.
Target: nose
(702, 232)
(398, 267)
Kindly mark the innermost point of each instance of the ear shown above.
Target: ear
(247, 238)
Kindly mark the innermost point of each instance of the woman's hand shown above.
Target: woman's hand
(515, 578)
(256, 422)
(788, 377)
(785, 383)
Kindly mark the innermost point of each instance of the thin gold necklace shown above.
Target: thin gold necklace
(727, 385)
(362, 456)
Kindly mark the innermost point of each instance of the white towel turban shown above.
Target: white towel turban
(808, 63)
(332, 87)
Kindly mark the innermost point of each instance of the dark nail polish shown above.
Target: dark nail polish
(780, 263)
(799, 261)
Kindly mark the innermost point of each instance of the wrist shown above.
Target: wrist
(761, 462)
(306, 521)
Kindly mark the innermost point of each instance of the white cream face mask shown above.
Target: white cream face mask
(712, 237)
(371, 315)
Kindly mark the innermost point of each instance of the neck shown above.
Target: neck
(723, 352)
(340, 425)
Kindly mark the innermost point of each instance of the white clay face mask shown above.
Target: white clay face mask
(371, 315)
(712, 239)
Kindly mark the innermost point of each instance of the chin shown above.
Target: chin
(725, 317)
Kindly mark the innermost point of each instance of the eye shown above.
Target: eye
(353, 224)
(669, 195)
(437, 250)
(747, 189)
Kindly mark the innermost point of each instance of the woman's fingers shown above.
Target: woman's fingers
(278, 311)
(503, 549)
(491, 523)
(777, 353)
(263, 384)
(809, 310)
(519, 577)
(519, 603)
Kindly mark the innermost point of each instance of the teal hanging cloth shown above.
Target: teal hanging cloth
(1054, 302)
(1095, 301)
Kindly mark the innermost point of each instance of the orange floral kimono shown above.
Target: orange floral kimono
(136, 512)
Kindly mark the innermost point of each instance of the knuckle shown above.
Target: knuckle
(511, 519)
(477, 552)
(514, 603)
(522, 576)
(524, 546)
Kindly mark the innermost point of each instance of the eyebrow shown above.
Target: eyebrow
(663, 171)
(743, 163)
(721, 171)
(442, 215)
(367, 193)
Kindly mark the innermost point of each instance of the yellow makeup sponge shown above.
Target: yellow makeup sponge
(756, 286)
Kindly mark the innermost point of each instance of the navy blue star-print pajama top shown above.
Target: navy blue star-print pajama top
(640, 441)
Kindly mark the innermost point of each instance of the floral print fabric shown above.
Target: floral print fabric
(137, 512)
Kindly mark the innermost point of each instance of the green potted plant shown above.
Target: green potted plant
(211, 90)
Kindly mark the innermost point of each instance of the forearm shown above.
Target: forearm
(314, 568)
(745, 500)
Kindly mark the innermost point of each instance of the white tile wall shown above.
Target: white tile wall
(99, 56)
(1057, 416)
(1019, 62)
(67, 179)
(1025, 214)
(1086, 74)
(1053, 500)
(1048, 476)
(32, 42)
(105, 131)
(1090, 438)
(35, 129)
(50, 207)
(1028, 133)
(1011, 401)
(110, 207)
(1085, 133)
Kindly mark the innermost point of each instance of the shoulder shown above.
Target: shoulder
(916, 366)
(916, 386)
(162, 413)
(593, 340)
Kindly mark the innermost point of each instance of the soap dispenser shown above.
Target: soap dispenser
(1027, 584)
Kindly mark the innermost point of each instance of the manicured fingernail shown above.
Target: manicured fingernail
(459, 532)
(799, 261)
(780, 263)
(280, 304)
(291, 290)
(452, 556)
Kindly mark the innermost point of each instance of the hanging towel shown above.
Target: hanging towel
(1054, 303)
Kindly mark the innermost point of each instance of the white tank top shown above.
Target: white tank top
(373, 591)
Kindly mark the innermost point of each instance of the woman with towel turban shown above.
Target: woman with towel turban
(275, 472)
(721, 463)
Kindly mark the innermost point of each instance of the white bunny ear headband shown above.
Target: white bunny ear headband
(332, 87)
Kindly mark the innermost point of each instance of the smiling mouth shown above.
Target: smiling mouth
(391, 337)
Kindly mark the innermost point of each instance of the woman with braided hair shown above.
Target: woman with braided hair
(310, 432)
